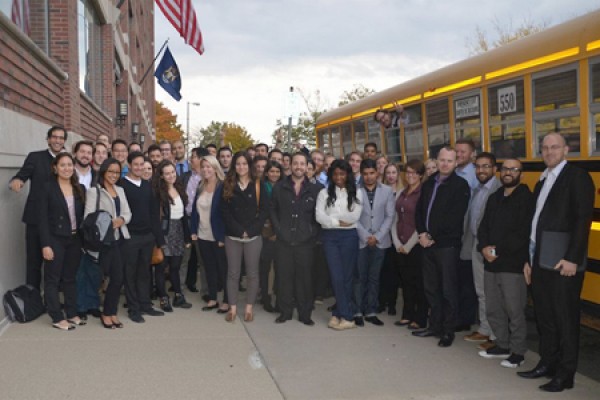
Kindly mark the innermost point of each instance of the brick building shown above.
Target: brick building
(76, 63)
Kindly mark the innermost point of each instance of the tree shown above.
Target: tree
(504, 34)
(167, 127)
(225, 134)
(358, 91)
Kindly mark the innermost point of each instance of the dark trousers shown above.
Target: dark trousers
(215, 265)
(389, 280)
(320, 272)
(294, 276)
(341, 249)
(111, 263)
(440, 281)
(556, 303)
(415, 305)
(62, 269)
(467, 297)
(173, 264)
(34, 256)
(195, 262)
(137, 256)
(88, 281)
(267, 257)
(366, 283)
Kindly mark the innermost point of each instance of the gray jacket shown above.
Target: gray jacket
(377, 220)
(108, 204)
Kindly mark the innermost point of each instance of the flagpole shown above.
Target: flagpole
(153, 61)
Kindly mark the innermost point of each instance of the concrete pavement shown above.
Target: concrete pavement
(191, 354)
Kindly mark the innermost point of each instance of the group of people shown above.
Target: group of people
(462, 243)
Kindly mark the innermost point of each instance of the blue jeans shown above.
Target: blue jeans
(88, 280)
(341, 249)
(366, 287)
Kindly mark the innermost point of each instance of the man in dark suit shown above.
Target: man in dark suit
(564, 203)
(36, 168)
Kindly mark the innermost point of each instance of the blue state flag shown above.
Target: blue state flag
(167, 75)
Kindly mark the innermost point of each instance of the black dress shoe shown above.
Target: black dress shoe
(209, 308)
(308, 322)
(539, 371)
(424, 333)
(374, 320)
(281, 319)
(446, 340)
(463, 328)
(391, 310)
(359, 321)
(193, 289)
(268, 308)
(136, 317)
(152, 312)
(557, 385)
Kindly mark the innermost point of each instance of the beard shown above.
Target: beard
(82, 164)
(511, 184)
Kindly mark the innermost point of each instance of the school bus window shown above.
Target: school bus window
(335, 142)
(467, 120)
(374, 130)
(324, 140)
(392, 139)
(438, 126)
(555, 108)
(359, 134)
(413, 133)
(346, 138)
(506, 109)
(595, 106)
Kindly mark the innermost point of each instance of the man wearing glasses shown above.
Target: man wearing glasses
(485, 172)
(36, 168)
(503, 237)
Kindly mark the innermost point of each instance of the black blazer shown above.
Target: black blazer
(242, 214)
(36, 169)
(53, 213)
(446, 218)
(569, 207)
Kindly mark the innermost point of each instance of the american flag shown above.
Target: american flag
(18, 18)
(182, 16)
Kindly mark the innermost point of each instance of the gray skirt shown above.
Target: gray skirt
(175, 245)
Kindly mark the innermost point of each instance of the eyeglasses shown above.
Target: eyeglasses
(513, 170)
(484, 166)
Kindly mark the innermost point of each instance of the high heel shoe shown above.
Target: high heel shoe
(210, 308)
(230, 317)
(107, 326)
(249, 316)
(117, 324)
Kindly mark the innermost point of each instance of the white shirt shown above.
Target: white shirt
(85, 180)
(330, 217)
(550, 175)
(203, 205)
(177, 209)
(136, 182)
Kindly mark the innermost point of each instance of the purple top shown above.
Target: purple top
(405, 207)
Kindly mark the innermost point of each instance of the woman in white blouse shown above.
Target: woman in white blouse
(175, 228)
(338, 209)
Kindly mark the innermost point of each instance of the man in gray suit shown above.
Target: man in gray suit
(485, 171)
(374, 238)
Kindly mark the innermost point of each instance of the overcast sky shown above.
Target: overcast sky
(256, 49)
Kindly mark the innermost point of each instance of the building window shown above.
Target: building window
(595, 105)
(467, 117)
(90, 51)
(507, 119)
(359, 134)
(438, 126)
(555, 107)
(413, 133)
(31, 16)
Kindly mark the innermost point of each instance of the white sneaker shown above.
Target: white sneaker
(333, 322)
(344, 325)
(514, 361)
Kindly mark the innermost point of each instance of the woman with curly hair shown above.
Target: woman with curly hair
(338, 209)
(175, 228)
(245, 207)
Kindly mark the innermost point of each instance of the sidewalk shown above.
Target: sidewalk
(191, 354)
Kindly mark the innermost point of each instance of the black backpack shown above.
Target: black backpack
(97, 228)
(23, 304)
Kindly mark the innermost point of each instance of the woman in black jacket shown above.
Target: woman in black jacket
(61, 213)
(245, 209)
(175, 227)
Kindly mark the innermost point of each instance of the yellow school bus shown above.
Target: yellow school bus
(505, 100)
